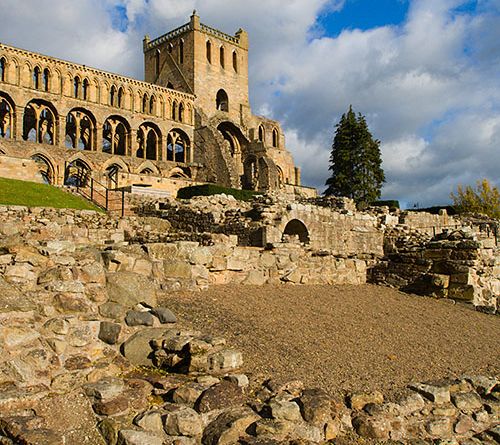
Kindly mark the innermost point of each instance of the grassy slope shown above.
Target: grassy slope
(31, 194)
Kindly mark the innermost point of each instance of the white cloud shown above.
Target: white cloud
(430, 87)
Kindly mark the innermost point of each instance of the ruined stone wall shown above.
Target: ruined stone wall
(22, 169)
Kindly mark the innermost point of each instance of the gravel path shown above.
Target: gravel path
(344, 338)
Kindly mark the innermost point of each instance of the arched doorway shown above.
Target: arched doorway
(296, 230)
(45, 168)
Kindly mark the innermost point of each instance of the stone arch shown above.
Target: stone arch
(116, 136)
(250, 178)
(295, 228)
(174, 110)
(178, 172)
(113, 96)
(120, 97)
(152, 105)
(46, 80)
(80, 129)
(178, 146)
(145, 100)
(7, 116)
(222, 56)
(36, 77)
(149, 141)
(77, 172)
(148, 165)
(115, 160)
(45, 167)
(97, 90)
(235, 61)
(181, 112)
(234, 137)
(222, 101)
(13, 71)
(40, 122)
(77, 86)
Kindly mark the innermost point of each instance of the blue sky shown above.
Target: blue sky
(425, 73)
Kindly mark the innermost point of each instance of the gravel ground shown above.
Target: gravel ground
(344, 338)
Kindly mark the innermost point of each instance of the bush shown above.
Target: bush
(212, 189)
(392, 203)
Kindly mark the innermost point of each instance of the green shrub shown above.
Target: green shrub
(392, 203)
(212, 189)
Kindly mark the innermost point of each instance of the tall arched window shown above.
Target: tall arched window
(112, 96)
(116, 135)
(181, 112)
(46, 78)
(209, 51)
(178, 147)
(144, 103)
(222, 101)
(235, 61)
(85, 89)
(120, 97)
(275, 138)
(170, 48)
(152, 105)
(262, 133)
(6, 118)
(76, 88)
(174, 111)
(149, 138)
(39, 123)
(36, 78)
(221, 57)
(2, 69)
(79, 129)
(157, 62)
(181, 51)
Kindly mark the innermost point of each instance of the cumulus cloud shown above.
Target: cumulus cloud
(429, 87)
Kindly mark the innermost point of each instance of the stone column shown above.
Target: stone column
(18, 124)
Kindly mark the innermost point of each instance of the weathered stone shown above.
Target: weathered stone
(467, 402)
(139, 318)
(463, 425)
(315, 406)
(285, 410)
(228, 427)
(220, 396)
(72, 303)
(109, 332)
(20, 274)
(483, 385)
(76, 362)
(410, 403)
(137, 347)
(12, 299)
(359, 400)
(239, 379)
(183, 422)
(112, 407)
(374, 427)
(112, 310)
(164, 315)
(440, 427)
(150, 421)
(225, 360)
(129, 289)
(188, 393)
(14, 338)
(435, 393)
(105, 389)
(132, 437)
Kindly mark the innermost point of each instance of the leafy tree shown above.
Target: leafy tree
(482, 199)
(355, 161)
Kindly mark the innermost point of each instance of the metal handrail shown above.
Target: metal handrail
(106, 196)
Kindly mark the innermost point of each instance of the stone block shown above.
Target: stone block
(435, 393)
(109, 332)
(183, 422)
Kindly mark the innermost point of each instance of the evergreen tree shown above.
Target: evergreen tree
(355, 161)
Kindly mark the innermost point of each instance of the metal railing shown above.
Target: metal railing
(110, 200)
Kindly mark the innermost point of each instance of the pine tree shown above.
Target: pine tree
(355, 161)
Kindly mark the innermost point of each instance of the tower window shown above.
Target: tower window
(209, 51)
(235, 61)
(85, 89)
(2, 69)
(222, 62)
(76, 88)
(46, 76)
(157, 62)
(36, 78)
(275, 138)
(222, 101)
(181, 51)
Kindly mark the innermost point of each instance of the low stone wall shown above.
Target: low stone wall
(452, 265)
(22, 169)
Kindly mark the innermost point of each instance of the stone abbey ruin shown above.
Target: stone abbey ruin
(90, 353)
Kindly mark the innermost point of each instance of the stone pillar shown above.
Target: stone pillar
(18, 124)
(297, 176)
(98, 139)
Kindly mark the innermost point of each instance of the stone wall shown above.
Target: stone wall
(22, 169)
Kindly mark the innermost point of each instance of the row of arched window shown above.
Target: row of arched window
(40, 126)
(222, 56)
(83, 89)
(275, 136)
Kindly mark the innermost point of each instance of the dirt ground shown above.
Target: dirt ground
(344, 338)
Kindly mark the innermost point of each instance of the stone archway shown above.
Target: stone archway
(296, 229)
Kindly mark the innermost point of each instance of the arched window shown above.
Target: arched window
(222, 101)
(6, 119)
(149, 138)
(296, 229)
(45, 168)
(178, 146)
(235, 61)
(152, 105)
(39, 123)
(221, 57)
(112, 96)
(157, 62)
(115, 133)
(46, 78)
(181, 112)
(76, 88)
(79, 130)
(120, 97)
(181, 51)
(2, 69)
(85, 89)
(170, 48)
(77, 173)
(262, 134)
(209, 51)
(144, 103)
(36, 78)
(275, 138)
(174, 111)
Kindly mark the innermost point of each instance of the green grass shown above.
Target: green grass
(212, 189)
(32, 194)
